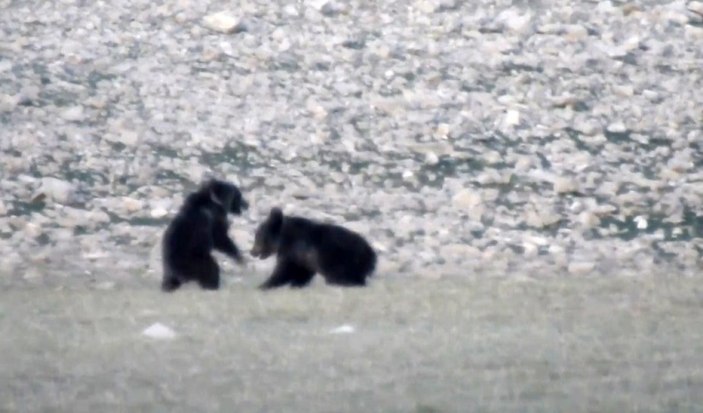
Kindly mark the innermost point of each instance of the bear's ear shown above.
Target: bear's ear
(276, 219)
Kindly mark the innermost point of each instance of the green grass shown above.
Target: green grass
(476, 345)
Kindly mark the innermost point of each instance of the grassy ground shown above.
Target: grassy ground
(551, 345)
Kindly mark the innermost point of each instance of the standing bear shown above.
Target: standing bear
(199, 227)
(304, 247)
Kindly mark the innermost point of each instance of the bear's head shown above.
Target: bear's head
(268, 235)
(227, 195)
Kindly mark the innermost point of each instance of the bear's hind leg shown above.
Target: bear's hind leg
(301, 277)
(170, 284)
(345, 278)
(209, 274)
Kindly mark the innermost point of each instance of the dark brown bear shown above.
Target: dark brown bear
(201, 226)
(304, 247)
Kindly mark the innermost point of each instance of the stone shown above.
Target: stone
(540, 217)
(696, 7)
(514, 19)
(641, 222)
(431, 158)
(693, 32)
(132, 205)
(581, 268)
(158, 213)
(56, 190)
(73, 114)
(565, 185)
(343, 329)
(333, 8)
(442, 131)
(222, 22)
(159, 331)
(588, 220)
(512, 118)
(466, 199)
(617, 127)
(8, 103)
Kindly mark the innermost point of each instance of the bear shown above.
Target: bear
(304, 247)
(199, 227)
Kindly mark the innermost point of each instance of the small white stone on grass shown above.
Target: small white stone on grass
(105, 285)
(222, 22)
(343, 329)
(159, 331)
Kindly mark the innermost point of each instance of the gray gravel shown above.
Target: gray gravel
(485, 137)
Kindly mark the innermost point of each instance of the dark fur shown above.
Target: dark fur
(201, 226)
(304, 247)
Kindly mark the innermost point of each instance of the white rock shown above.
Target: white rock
(132, 205)
(588, 219)
(431, 158)
(3, 208)
(512, 118)
(94, 255)
(641, 222)
(466, 199)
(523, 164)
(73, 114)
(8, 103)
(442, 131)
(539, 217)
(581, 268)
(291, 11)
(343, 329)
(617, 127)
(158, 213)
(105, 285)
(564, 185)
(575, 32)
(696, 7)
(32, 230)
(56, 190)
(693, 32)
(514, 20)
(222, 22)
(159, 331)
(531, 250)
